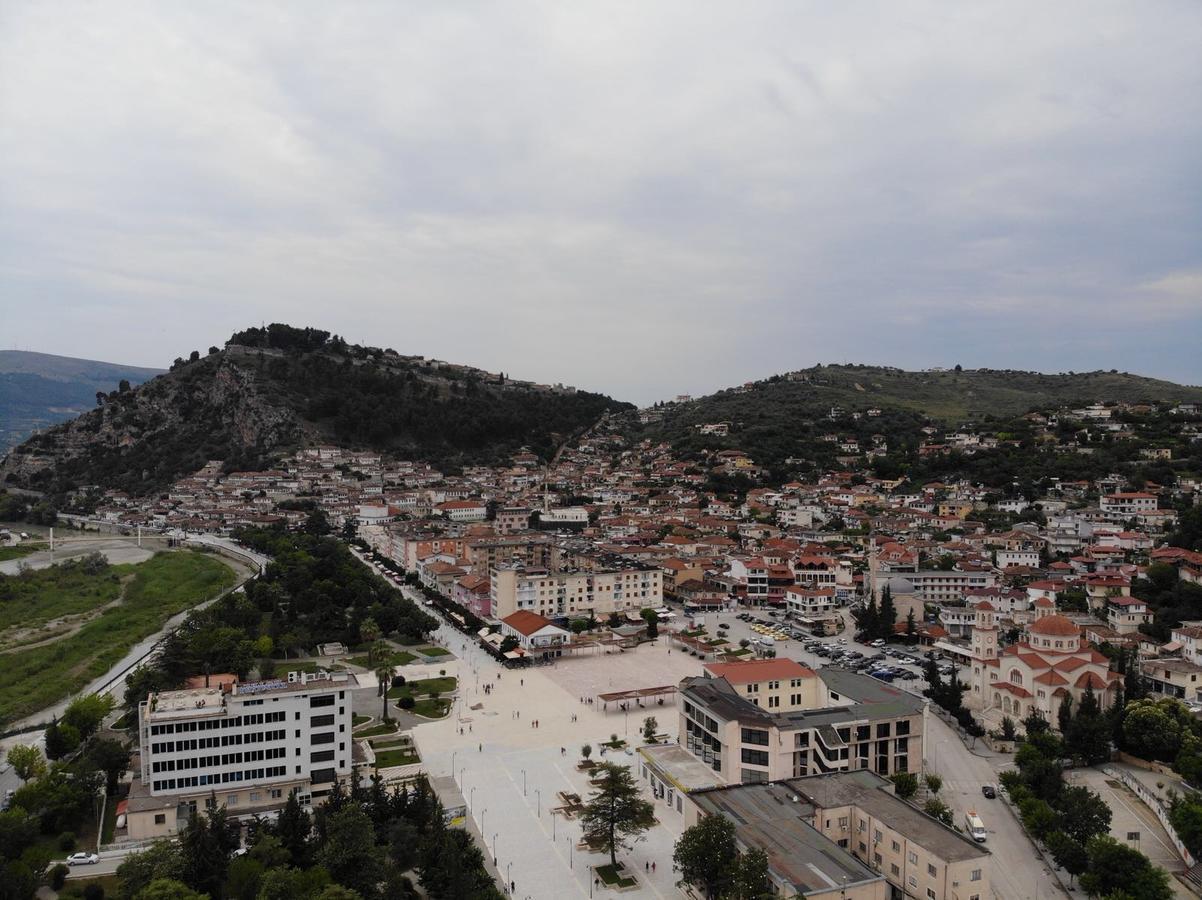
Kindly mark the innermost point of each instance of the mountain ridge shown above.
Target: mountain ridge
(273, 390)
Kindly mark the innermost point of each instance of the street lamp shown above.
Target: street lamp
(539, 792)
(523, 782)
(453, 763)
(482, 812)
(471, 797)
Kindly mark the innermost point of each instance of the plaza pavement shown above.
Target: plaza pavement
(510, 772)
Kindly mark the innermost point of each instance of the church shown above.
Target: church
(1051, 661)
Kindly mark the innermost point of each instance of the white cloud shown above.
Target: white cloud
(638, 198)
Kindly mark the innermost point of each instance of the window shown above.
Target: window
(931, 893)
(160, 819)
(323, 700)
(755, 736)
(931, 870)
(320, 721)
(322, 756)
(913, 857)
(894, 870)
(842, 821)
(896, 847)
(326, 737)
(976, 875)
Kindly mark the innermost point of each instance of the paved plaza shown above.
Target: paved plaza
(510, 772)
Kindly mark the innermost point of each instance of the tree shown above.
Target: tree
(1083, 813)
(1008, 732)
(650, 727)
(369, 630)
(350, 853)
(887, 616)
(868, 619)
(168, 889)
(616, 812)
(87, 712)
(112, 758)
(905, 784)
(1186, 816)
(706, 854)
(1152, 729)
(1088, 736)
(244, 879)
(934, 782)
(27, 761)
(651, 617)
(205, 858)
(60, 739)
(1069, 854)
(1120, 871)
(1064, 714)
(586, 751)
(294, 828)
(751, 880)
(911, 627)
(162, 859)
(937, 809)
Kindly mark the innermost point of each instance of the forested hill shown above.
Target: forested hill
(272, 390)
(805, 413)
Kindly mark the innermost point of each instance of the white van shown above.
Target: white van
(974, 826)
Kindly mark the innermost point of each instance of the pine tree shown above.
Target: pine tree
(887, 616)
(1064, 715)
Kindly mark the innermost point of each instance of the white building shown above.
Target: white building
(244, 746)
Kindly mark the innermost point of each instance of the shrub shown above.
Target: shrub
(398, 681)
(93, 891)
(66, 841)
(58, 876)
(406, 703)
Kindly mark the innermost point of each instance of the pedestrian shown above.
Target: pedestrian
(523, 682)
(480, 748)
(646, 867)
(653, 865)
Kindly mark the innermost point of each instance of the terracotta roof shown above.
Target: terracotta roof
(750, 671)
(526, 622)
(1051, 677)
(985, 606)
(1054, 625)
(1044, 603)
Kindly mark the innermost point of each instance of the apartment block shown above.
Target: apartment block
(765, 720)
(846, 835)
(242, 746)
(623, 587)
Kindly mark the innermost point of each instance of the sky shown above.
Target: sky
(644, 199)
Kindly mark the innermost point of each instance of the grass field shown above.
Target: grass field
(399, 658)
(431, 709)
(164, 585)
(377, 730)
(35, 597)
(434, 651)
(395, 756)
(7, 553)
(423, 686)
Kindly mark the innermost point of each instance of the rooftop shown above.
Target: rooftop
(686, 772)
(750, 671)
(768, 817)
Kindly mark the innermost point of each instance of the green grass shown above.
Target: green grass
(398, 658)
(74, 888)
(110, 819)
(613, 876)
(357, 720)
(377, 730)
(434, 651)
(37, 596)
(431, 709)
(305, 665)
(164, 585)
(423, 686)
(7, 553)
(395, 756)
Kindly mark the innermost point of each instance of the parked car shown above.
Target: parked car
(989, 791)
(82, 859)
(879, 642)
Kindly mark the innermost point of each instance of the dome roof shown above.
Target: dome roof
(1054, 625)
(1044, 602)
(899, 585)
(985, 606)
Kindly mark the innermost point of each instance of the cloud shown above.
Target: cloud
(642, 199)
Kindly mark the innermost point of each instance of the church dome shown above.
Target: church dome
(1057, 626)
(900, 586)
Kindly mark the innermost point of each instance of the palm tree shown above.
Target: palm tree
(384, 673)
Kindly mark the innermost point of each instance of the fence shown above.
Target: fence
(1153, 803)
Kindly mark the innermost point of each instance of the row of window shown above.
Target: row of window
(226, 740)
(223, 759)
(218, 724)
(171, 784)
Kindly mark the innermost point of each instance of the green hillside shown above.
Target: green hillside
(273, 390)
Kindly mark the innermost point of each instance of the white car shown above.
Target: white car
(82, 859)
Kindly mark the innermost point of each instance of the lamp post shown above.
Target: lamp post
(453, 763)
(539, 792)
(482, 812)
(494, 845)
(471, 796)
(523, 782)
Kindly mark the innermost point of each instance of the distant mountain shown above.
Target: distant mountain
(794, 415)
(38, 390)
(273, 390)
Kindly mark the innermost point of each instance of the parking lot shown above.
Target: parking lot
(905, 662)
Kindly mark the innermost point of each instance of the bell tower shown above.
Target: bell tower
(984, 632)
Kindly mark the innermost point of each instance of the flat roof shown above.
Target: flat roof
(768, 817)
(873, 795)
(686, 772)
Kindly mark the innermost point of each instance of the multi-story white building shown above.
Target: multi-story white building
(1128, 504)
(242, 746)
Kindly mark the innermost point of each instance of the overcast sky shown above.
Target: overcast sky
(642, 198)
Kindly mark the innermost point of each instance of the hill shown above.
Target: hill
(790, 415)
(272, 390)
(38, 390)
